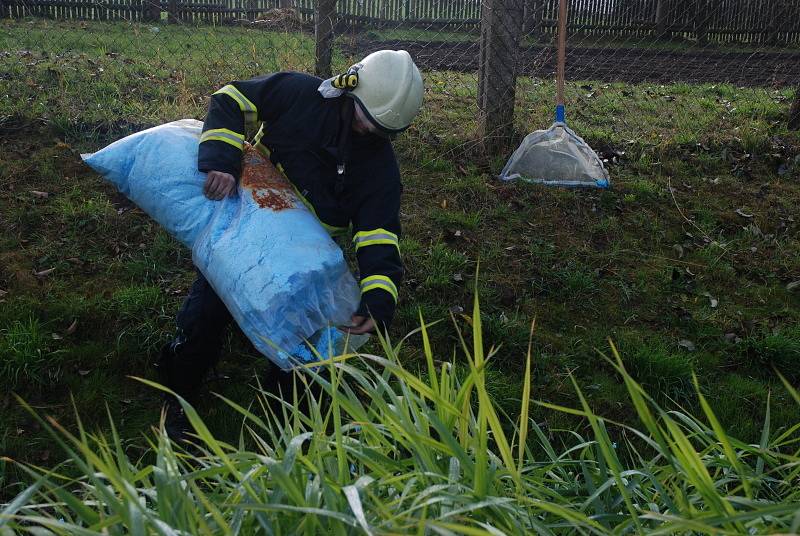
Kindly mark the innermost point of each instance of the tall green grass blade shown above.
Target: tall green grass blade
(604, 443)
(764, 438)
(524, 413)
(722, 437)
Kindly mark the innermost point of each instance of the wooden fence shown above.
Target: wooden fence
(747, 21)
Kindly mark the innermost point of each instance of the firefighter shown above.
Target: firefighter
(332, 140)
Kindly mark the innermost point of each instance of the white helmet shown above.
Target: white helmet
(389, 89)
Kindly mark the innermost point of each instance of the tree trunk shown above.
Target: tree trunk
(501, 28)
(324, 23)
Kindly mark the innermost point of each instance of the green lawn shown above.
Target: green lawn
(686, 263)
(575, 39)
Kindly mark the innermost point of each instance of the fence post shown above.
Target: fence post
(774, 23)
(661, 18)
(501, 27)
(701, 21)
(324, 23)
(151, 10)
(532, 25)
(172, 11)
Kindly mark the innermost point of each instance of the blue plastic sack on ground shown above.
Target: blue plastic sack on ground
(265, 254)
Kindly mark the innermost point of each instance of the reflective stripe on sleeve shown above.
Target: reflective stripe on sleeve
(223, 134)
(374, 237)
(379, 282)
(248, 109)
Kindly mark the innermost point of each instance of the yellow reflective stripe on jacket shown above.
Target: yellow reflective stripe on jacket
(379, 282)
(260, 147)
(374, 237)
(263, 149)
(248, 109)
(223, 134)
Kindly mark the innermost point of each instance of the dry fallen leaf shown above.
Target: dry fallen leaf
(791, 286)
(72, 327)
(444, 203)
(40, 195)
(687, 344)
(458, 277)
(84, 372)
(743, 214)
(43, 273)
(56, 336)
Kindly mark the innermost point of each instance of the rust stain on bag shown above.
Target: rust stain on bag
(269, 188)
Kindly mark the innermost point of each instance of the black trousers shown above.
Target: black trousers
(203, 320)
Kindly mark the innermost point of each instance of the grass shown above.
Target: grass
(575, 39)
(636, 263)
(380, 450)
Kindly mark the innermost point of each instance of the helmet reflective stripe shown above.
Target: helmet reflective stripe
(379, 282)
(389, 89)
(223, 134)
(375, 237)
(248, 109)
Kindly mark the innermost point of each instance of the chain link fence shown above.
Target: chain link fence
(109, 66)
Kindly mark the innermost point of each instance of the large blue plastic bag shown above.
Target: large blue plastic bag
(265, 254)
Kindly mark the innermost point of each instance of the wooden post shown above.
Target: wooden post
(501, 27)
(538, 17)
(773, 23)
(701, 21)
(324, 23)
(661, 18)
(151, 10)
(794, 111)
(529, 21)
(172, 11)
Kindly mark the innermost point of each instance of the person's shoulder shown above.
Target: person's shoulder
(301, 82)
(289, 80)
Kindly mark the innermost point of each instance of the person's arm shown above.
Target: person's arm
(234, 110)
(376, 228)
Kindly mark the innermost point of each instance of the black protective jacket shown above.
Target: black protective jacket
(348, 180)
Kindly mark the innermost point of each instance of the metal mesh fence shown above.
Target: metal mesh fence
(95, 67)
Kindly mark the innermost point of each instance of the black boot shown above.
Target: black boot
(176, 423)
(183, 367)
